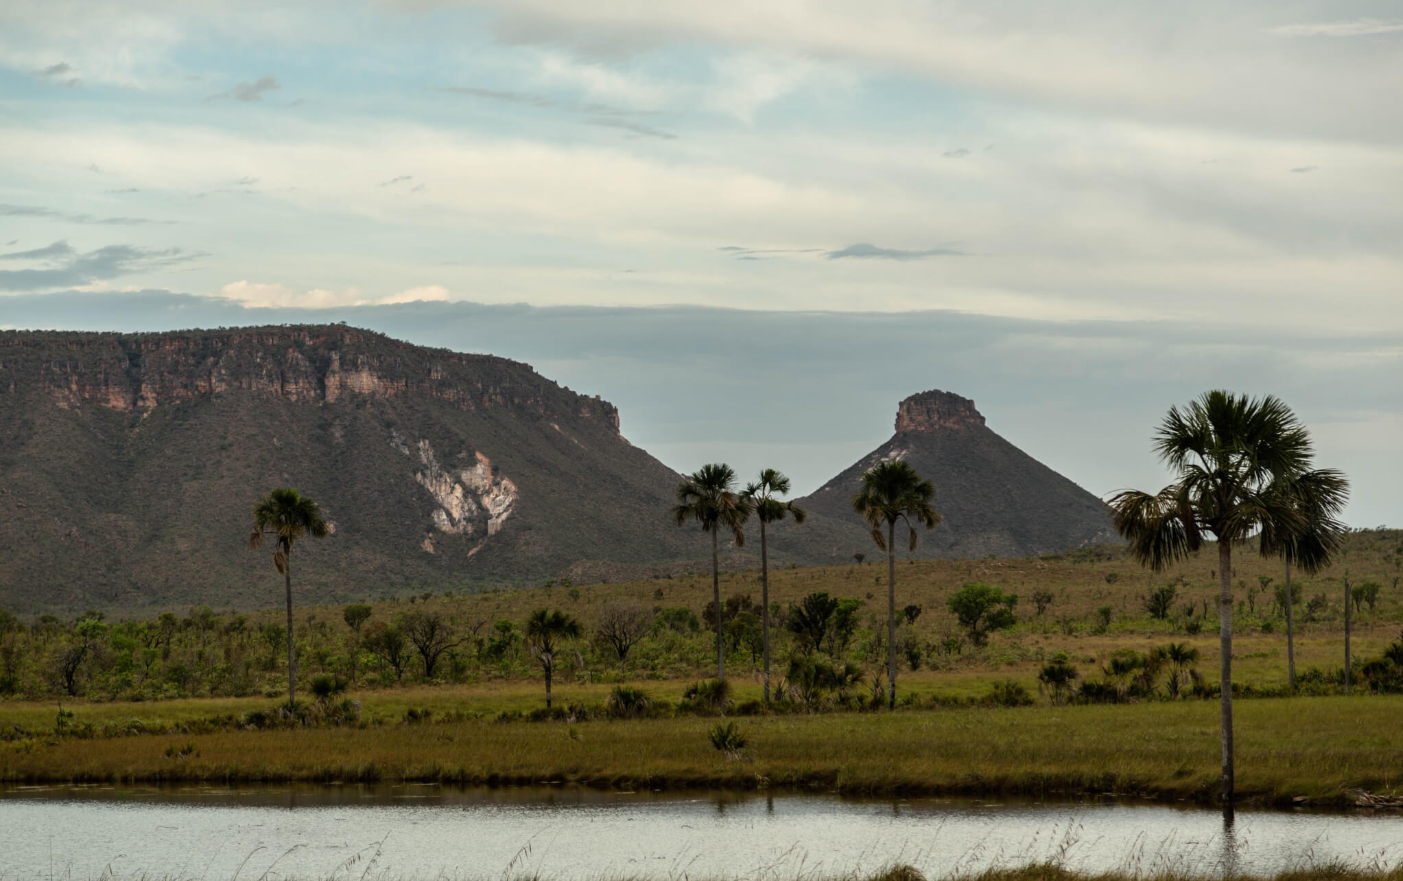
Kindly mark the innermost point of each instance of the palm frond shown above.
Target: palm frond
(1151, 526)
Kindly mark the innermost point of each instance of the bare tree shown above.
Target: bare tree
(622, 625)
(432, 635)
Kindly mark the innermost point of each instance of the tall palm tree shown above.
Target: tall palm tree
(890, 492)
(545, 631)
(1243, 469)
(287, 516)
(768, 509)
(709, 497)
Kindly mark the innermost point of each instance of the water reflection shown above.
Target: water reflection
(569, 833)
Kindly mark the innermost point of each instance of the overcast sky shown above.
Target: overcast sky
(1076, 213)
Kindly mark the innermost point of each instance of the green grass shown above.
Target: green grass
(1320, 748)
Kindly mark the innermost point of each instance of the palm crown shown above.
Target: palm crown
(1243, 468)
(709, 497)
(761, 494)
(891, 492)
(288, 516)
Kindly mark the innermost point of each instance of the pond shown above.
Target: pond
(358, 832)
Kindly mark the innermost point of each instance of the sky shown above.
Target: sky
(754, 227)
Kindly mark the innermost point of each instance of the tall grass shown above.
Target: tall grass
(1319, 748)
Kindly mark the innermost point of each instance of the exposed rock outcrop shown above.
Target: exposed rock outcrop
(936, 411)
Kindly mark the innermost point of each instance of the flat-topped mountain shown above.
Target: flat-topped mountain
(995, 498)
(129, 465)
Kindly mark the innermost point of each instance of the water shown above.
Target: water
(355, 832)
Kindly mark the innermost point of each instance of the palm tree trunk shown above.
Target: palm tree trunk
(1225, 676)
(548, 672)
(891, 615)
(291, 654)
(1348, 603)
(765, 611)
(716, 595)
(1290, 635)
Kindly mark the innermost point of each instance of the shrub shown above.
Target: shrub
(1009, 693)
(706, 697)
(418, 715)
(326, 686)
(1160, 601)
(726, 737)
(627, 703)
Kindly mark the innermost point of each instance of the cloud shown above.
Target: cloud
(57, 249)
(636, 128)
(866, 251)
(957, 153)
(37, 211)
(63, 267)
(256, 295)
(402, 179)
(1359, 27)
(57, 74)
(1303, 169)
(431, 293)
(246, 91)
(589, 112)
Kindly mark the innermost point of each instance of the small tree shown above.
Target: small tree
(622, 625)
(355, 616)
(1058, 677)
(431, 635)
(545, 633)
(1042, 598)
(387, 643)
(982, 609)
(810, 619)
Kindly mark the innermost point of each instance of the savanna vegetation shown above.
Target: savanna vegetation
(1051, 639)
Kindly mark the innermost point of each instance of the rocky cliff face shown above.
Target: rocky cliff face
(144, 371)
(936, 411)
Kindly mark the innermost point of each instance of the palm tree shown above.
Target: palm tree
(893, 491)
(287, 516)
(709, 497)
(768, 509)
(1243, 471)
(1317, 495)
(545, 631)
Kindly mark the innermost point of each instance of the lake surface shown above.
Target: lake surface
(356, 832)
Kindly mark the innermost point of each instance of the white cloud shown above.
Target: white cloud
(604, 84)
(748, 81)
(280, 296)
(430, 293)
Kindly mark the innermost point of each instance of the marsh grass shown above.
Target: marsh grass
(1320, 748)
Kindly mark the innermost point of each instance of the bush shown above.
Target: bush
(726, 737)
(326, 686)
(706, 697)
(1008, 693)
(1160, 601)
(627, 703)
(418, 715)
